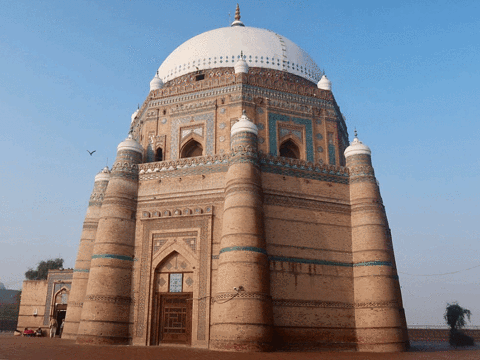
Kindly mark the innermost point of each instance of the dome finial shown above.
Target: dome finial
(237, 13)
(355, 132)
(237, 21)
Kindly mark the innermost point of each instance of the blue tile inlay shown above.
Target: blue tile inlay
(272, 132)
(81, 270)
(112, 256)
(243, 248)
(331, 154)
(373, 263)
(150, 154)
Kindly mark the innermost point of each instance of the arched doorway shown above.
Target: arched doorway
(60, 301)
(172, 305)
(159, 154)
(289, 149)
(191, 149)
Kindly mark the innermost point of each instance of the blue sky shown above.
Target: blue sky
(405, 74)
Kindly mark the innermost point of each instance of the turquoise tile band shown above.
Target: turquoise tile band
(374, 263)
(112, 256)
(243, 248)
(326, 262)
(81, 270)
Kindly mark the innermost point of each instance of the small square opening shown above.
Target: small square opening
(200, 77)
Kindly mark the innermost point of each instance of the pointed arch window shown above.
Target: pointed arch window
(191, 149)
(159, 154)
(289, 149)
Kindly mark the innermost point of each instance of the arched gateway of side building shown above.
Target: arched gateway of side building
(237, 215)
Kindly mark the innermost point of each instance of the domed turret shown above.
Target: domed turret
(324, 83)
(135, 114)
(103, 175)
(357, 147)
(156, 83)
(244, 124)
(130, 144)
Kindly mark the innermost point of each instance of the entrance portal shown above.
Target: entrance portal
(174, 319)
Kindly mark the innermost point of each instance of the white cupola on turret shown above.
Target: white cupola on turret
(156, 83)
(103, 175)
(241, 66)
(324, 83)
(135, 114)
(357, 148)
(244, 124)
(130, 144)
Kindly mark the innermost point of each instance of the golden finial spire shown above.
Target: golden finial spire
(237, 13)
(237, 21)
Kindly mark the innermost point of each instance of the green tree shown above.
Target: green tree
(455, 316)
(41, 272)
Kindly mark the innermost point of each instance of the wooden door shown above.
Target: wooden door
(175, 318)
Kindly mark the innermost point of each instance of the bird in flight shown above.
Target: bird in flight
(91, 152)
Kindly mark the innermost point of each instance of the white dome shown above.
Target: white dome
(222, 47)
(324, 83)
(244, 124)
(130, 144)
(356, 148)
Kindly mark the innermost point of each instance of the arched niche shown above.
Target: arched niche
(174, 263)
(191, 148)
(289, 149)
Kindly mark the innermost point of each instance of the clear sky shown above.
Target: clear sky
(404, 73)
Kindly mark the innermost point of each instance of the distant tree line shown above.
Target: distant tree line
(41, 272)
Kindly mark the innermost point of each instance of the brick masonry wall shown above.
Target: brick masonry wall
(437, 334)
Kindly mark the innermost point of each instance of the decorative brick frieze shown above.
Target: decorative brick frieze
(224, 297)
(109, 299)
(332, 304)
(112, 256)
(75, 304)
(220, 163)
(167, 213)
(302, 203)
(311, 303)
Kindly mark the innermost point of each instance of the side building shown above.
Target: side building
(43, 299)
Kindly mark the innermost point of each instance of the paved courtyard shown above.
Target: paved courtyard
(13, 347)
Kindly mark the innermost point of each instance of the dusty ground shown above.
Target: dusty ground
(13, 347)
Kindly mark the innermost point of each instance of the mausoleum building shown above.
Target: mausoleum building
(237, 216)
